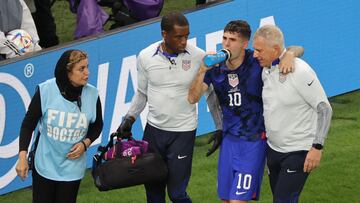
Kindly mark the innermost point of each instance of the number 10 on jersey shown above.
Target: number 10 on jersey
(234, 99)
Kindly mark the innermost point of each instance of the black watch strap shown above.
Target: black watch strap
(318, 146)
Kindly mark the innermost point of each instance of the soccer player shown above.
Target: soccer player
(297, 117)
(238, 86)
(165, 72)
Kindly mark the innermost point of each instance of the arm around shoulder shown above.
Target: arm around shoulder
(297, 51)
(287, 60)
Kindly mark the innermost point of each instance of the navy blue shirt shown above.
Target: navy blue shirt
(239, 93)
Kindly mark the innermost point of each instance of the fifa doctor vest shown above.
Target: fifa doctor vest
(62, 125)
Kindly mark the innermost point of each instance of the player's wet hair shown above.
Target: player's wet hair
(169, 20)
(239, 26)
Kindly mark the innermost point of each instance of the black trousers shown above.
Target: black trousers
(176, 148)
(286, 175)
(45, 23)
(49, 191)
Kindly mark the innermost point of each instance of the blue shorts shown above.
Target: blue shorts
(240, 168)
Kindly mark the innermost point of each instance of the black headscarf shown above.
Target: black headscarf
(68, 91)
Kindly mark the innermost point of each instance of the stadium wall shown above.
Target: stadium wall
(328, 30)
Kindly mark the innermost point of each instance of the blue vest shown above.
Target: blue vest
(61, 126)
(240, 96)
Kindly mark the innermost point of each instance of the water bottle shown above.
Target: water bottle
(217, 58)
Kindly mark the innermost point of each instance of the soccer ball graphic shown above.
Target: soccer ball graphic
(21, 39)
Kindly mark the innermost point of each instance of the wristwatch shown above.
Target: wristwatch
(318, 146)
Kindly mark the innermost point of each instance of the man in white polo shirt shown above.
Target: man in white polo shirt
(297, 117)
(165, 72)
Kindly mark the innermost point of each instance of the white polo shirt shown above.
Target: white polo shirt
(166, 85)
(290, 103)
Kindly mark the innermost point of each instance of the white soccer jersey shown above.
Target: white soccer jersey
(166, 83)
(290, 103)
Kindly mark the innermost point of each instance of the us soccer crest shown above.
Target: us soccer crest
(282, 77)
(186, 64)
(233, 80)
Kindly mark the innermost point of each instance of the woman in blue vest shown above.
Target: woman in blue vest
(67, 113)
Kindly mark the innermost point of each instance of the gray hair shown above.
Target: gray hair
(272, 35)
